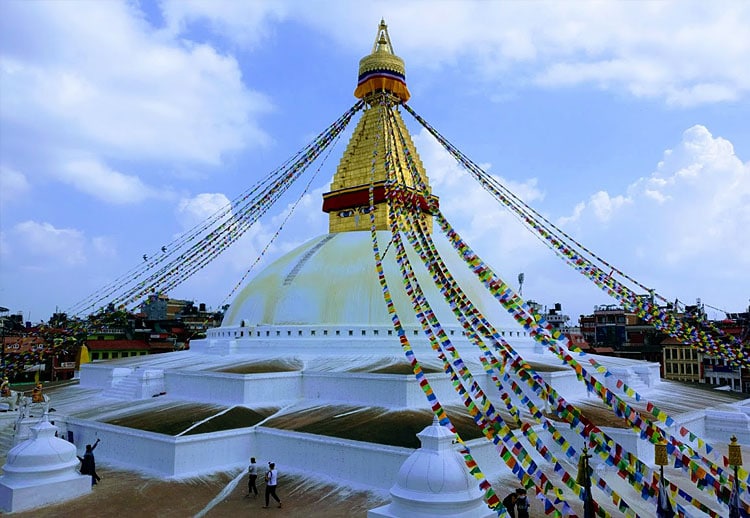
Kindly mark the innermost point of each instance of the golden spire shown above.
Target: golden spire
(347, 202)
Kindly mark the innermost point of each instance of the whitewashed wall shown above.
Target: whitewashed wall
(102, 375)
(385, 390)
(233, 389)
(160, 454)
(357, 463)
(184, 456)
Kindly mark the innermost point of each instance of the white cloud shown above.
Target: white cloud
(604, 206)
(246, 23)
(676, 51)
(101, 182)
(477, 215)
(690, 215)
(194, 211)
(104, 247)
(276, 233)
(13, 184)
(680, 229)
(42, 241)
(103, 83)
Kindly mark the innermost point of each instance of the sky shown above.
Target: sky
(123, 124)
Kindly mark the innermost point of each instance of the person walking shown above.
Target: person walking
(272, 478)
(509, 502)
(88, 463)
(252, 476)
(522, 504)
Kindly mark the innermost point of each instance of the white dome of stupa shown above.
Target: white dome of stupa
(331, 280)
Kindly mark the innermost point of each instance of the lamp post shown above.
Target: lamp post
(584, 479)
(663, 504)
(2, 335)
(735, 460)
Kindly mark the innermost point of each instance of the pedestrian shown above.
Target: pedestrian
(522, 504)
(509, 502)
(88, 463)
(272, 478)
(252, 476)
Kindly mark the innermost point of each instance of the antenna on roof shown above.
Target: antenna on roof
(520, 284)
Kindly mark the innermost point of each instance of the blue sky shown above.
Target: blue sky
(122, 124)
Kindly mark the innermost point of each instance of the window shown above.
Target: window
(312, 332)
(351, 333)
(364, 332)
(338, 332)
(325, 332)
(375, 332)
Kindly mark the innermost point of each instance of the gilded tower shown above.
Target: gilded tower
(382, 79)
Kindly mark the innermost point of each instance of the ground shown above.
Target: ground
(121, 493)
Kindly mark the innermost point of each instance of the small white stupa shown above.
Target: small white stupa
(434, 481)
(41, 471)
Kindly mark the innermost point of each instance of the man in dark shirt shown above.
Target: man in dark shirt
(509, 502)
(522, 504)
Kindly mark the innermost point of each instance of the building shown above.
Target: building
(682, 362)
(719, 372)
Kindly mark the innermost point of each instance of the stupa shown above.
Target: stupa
(433, 482)
(40, 471)
(309, 369)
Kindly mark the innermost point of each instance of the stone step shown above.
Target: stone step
(141, 384)
(125, 389)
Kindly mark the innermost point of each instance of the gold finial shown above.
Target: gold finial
(383, 39)
(382, 69)
(735, 452)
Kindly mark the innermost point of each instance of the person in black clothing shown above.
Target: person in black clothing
(522, 504)
(88, 463)
(509, 502)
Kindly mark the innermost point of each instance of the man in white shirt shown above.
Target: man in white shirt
(271, 480)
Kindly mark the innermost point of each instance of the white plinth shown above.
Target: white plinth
(22, 498)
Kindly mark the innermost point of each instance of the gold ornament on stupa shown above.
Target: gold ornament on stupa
(382, 70)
